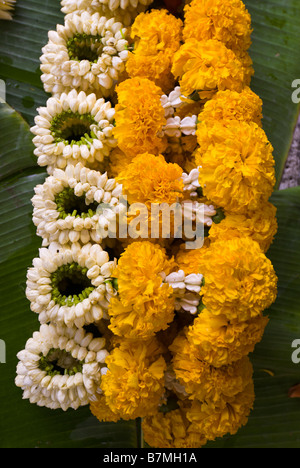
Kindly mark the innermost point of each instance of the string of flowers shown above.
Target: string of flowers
(151, 109)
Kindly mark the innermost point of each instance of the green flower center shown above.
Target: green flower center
(68, 204)
(70, 285)
(73, 128)
(85, 47)
(59, 362)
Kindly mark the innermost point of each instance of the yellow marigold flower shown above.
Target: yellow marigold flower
(144, 304)
(190, 261)
(240, 281)
(139, 270)
(134, 382)
(150, 183)
(236, 164)
(144, 317)
(227, 21)
(214, 423)
(231, 105)
(6, 6)
(220, 342)
(154, 47)
(139, 117)
(206, 67)
(204, 382)
(172, 430)
(102, 411)
(261, 225)
(150, 179)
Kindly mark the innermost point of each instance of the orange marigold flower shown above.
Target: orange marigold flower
(102, 411)
(227, 21)
(204, 382)
(231, 105)
(236, 164)
(139, 117)
(145, 305)
(261, 225)
(240, 281)
(172, 430)
(150, 179)
(134, 383)
(213, 423)
(220, 342)
(190, 261)
(206, 67)
(154, 47)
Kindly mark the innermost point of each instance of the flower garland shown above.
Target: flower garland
(136, 322)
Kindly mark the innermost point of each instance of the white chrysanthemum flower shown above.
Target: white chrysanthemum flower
(87, 53)
(73, 128)
(70, 285)
(124, 11)
(60, 367)
(6, 7)
(66, 206)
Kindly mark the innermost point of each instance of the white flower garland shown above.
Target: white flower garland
(65, 207)
(60, 367)
(70, 285)
(124, 10)
(73, 128)
(88, 53)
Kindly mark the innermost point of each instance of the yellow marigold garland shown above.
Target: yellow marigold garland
(176, 324)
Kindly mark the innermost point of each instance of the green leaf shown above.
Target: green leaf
(21, 46)
(276, 55)
(24, 37)
(16, 143)
(274, 422)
